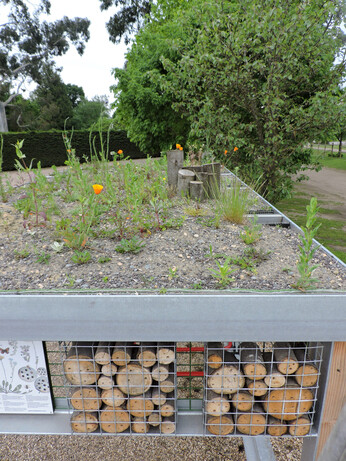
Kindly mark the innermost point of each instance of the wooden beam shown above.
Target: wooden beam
(336, 394)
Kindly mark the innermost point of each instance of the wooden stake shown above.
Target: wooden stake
(184, 178)
(175, 161)
(105, 382)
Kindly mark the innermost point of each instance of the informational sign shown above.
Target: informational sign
(24, 384)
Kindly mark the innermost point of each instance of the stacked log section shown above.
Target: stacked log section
(289, 402)
(300, 426)
(307, 373)
(86, 399)
(252, 422)
(285, 358)
(80, 367)
(113, 420)
(84, 421)
(264, 392)
(220, 425)
(252, 361)
(117, 387)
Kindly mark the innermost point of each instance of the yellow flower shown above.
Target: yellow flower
(235, 149)
(97, 188)
(178, 146)
(163, 179)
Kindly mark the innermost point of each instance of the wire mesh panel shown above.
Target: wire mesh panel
(258, 388)
(118, 388)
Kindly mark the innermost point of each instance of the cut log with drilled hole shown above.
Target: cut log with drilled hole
(307, 373)
(226, 380)
(300, 426)
(215, 355)
(105, 382)
(84, 421)
(165, 354)
(289, 402)
(274, 378)
(79, 366)
(121, 354)
(140, 425)
(114, 420)
(256, 388)
(154, 419)
(175, 161)
(146, 356)
(167, 385)
(275, 427)
(216, 405)
(242, 401)
(220, 425)
(158, 397)
(109, 369)
(252, 361)
(103, 354)
(140, 406)
(133, 379)
(160, 372)
(168, 408)
(284, 355)
(168, 425)
(113, 397)
(184, 178)
(252, 422)
(86, 399)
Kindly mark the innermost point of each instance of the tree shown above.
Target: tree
(260, 77)
(27, 44)
(53, 100)
(87, 113)
(128, 20)
(75, 94)
(143, 108)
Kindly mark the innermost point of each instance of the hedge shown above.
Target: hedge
(48, 147)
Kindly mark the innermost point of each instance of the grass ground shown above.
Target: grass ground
(331, 233)
(330, 162)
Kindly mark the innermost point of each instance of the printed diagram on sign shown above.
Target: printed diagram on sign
(23, 373)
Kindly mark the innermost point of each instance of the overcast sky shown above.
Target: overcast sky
(92, 70)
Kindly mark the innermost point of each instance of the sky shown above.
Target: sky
(92, 70)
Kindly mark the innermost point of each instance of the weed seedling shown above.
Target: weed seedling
(172, 272)
(307, 250)
(252, 232)
(104, 259)
(43, 257)
(133, 245)
(81, 257)
(21, 254)
(222, 273)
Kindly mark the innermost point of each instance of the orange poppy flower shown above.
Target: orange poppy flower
(226, 151)
(235, 149)
(178, 146)
(120, 152)
(97, 188)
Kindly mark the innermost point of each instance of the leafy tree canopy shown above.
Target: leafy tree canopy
(262, 77)
(29, 43)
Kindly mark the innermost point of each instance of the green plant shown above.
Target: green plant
(3, 192)
(232, 203)
(22, 254)
(197, 286)
(222, 273)
(104, 259)
(172, 272)
(252, 232)
(43, 257)
(133, 245)
(81, 257)
(57, 246)
(307, 249)
(71, 281)
(105, 279)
